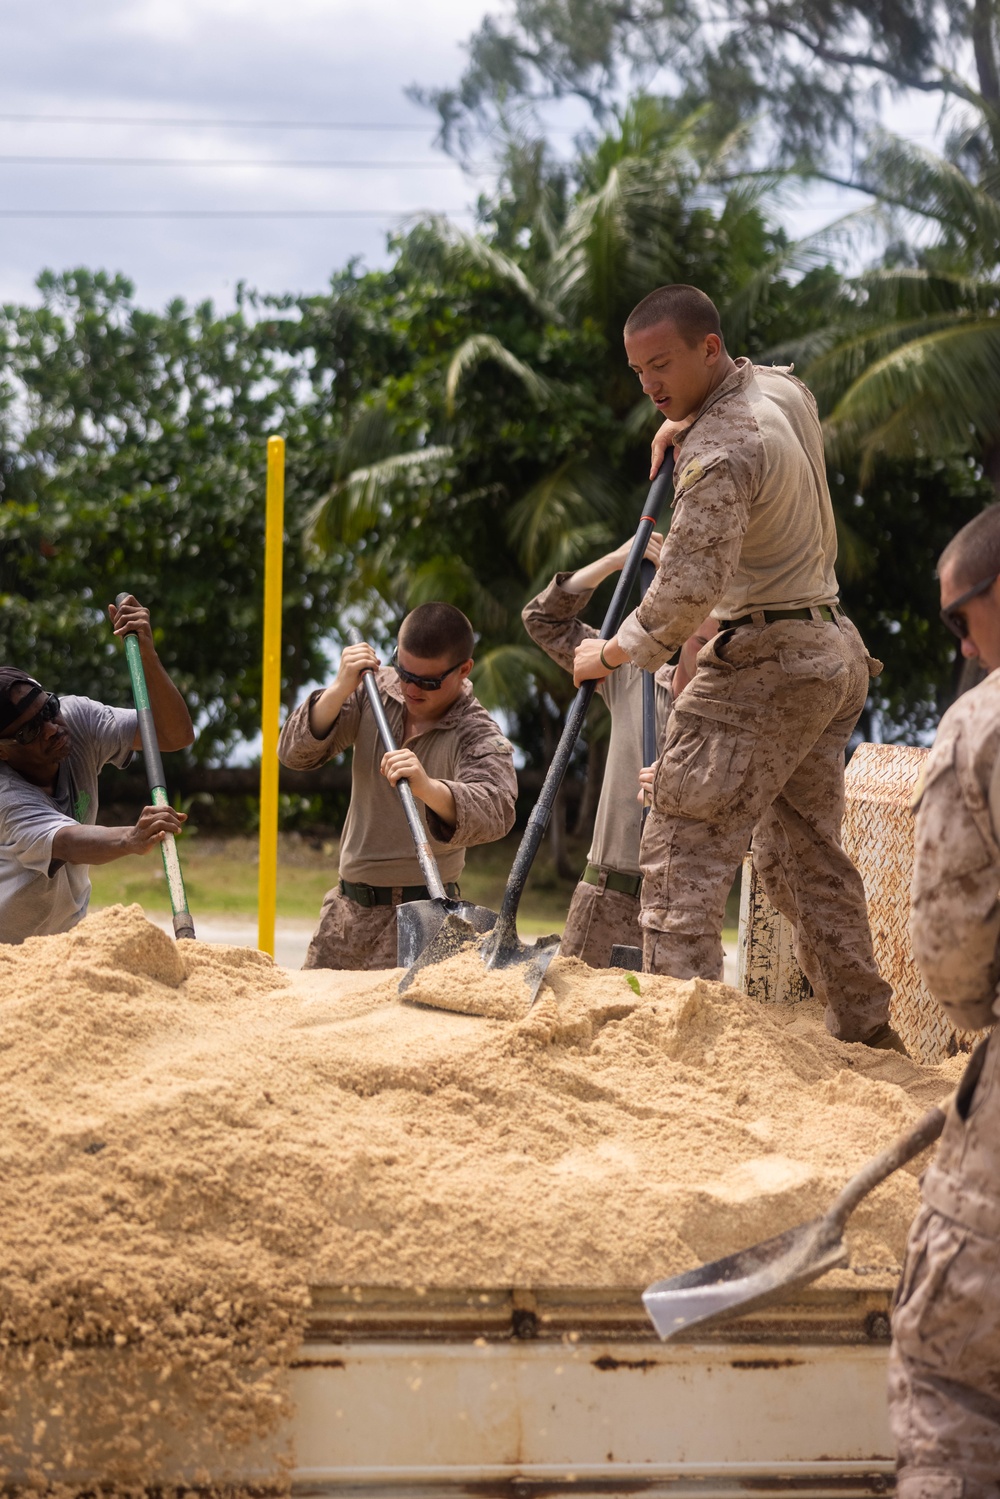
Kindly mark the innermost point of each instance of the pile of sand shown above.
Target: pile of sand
(193, 1138)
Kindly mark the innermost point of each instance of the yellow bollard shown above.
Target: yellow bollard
(267, 880)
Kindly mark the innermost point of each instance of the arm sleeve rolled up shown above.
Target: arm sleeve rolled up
(697, 563)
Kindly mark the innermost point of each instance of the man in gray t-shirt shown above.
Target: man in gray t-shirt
(51, 753)
(605, 905)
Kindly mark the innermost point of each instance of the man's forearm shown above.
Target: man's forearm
(174, 729)
(585, 579)
(82, 844)
(325, 711)
(439, 797)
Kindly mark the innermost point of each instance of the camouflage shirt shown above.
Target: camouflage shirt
(955, 910)
(465, 749)
(955, 932)
(752, 525)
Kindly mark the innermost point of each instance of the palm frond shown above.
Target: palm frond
(793, 260)
(642, 420)
(453, 581)
(504, 675)
(437, 242)
(484, 346)
(921, 183)
(935, 394)
(574, 501)
(357, 503)
(831, 373)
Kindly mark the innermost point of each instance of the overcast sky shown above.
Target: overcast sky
(299, 60)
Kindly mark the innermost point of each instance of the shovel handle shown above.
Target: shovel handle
(426, 860)
(647, 572)
(542, 810)
(153, 761)
(923, 1133)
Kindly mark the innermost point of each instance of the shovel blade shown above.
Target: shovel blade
(456, 934)
(503, 948)
(419, 921)
(625, 956)
(452, 936)
(741, 1281)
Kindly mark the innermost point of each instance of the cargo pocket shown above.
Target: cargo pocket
(944, 1300)
(816, 665)
(712, 652)
(703, 766)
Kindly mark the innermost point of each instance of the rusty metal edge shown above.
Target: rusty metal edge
(818, 1314)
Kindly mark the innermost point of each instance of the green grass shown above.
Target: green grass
(221, 880)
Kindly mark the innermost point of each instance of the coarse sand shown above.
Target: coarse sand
(193, 1138)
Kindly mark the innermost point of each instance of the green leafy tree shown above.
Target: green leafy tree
(132, 453)
(509, 438)
(808, 73)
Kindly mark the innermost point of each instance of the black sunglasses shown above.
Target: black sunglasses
(427, 684)
(957, 623)
(33, 728)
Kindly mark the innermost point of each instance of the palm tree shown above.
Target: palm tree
(910, 364)
(531, 416)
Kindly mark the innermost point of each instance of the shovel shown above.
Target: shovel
(183, 920)
(624, 954)
(766, 1271)
(501, 947)
(418, 921)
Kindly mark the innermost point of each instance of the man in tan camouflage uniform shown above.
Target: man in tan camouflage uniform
(945, 1364)
(453, 755)
(756, 741)
(605, 905)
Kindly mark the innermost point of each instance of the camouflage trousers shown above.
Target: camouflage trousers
(597, 919)
(755, 749)
(944, 1369)
(353, 936)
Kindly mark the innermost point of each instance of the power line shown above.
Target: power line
(219, 161)
(221, 213)
(227, 124)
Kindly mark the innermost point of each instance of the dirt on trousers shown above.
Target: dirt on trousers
(192, 1138)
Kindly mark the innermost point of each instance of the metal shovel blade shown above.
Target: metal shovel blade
(418, 922)
(623, 955)
(744, 1280)
(503, 948)
(767, 1270)
(453, 934)
(456, 935)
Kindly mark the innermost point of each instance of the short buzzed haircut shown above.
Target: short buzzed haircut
(693, 314)
(973, 553)
(433, 630)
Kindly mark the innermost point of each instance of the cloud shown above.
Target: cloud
(224, 60)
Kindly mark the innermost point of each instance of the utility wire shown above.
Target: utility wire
(228, 124)
(220, 161)
(223, 213)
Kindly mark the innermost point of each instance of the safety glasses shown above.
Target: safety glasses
(426, 684)
(957, 622)
(33, 728)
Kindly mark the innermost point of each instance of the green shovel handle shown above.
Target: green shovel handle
(183, 920)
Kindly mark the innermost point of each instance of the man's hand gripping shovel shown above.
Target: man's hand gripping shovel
(501, 947)
(419, 921)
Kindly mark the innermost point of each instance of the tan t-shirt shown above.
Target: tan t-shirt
(753, 525)
(552, 620)
(465, 749)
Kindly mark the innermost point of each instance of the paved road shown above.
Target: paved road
(292, 939)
